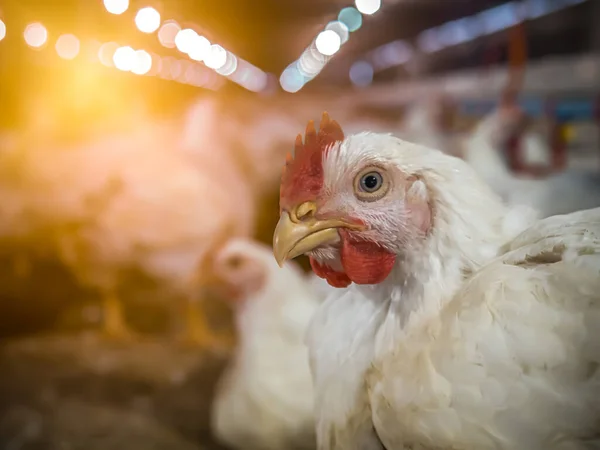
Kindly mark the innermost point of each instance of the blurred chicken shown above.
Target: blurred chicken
(429, 122)
(265, 399)
(163, 218)
(243, 137)
(151, 197)
(486, 149)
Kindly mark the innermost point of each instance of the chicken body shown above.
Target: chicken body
(265, 399)
(557, 194)
(163, 218)
(484, 332)
(426, 123)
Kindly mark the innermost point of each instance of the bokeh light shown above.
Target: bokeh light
(328, 42)
(142, 62)
(351, 18)
(106, 53)
(230, 65)
(116, 6)
(175, 68)
(35, 35)
(340, 29)
(67, 46)
(368, 6)
(255, 81)
(184, 40)
(291, 79)
(124, 58)
(147, 20)
(2, 30)
(200, 48)
(361, 73)
(167, 33)
(216, 57)
(311, 62)
(392, 54)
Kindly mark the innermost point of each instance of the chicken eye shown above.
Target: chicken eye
(234, 262)
(371, 184)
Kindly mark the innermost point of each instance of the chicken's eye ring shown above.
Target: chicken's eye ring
(371, 184)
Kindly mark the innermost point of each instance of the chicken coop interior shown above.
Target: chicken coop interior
(154, 193)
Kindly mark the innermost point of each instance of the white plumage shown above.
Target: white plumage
(557, 194)
(162, 218)
(486, 332)
(265, 398)
(424, 125)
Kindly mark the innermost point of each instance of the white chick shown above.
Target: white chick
(265, 398)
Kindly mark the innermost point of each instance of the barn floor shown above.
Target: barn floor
(82, 392)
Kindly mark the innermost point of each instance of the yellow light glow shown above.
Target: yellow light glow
(142, 62)
(106, 53)
(116, 6)
(35, 35)
(147, 20)
(199, 49)
(328, 42)
(368, 6)
(124, 58)
(167, 33)
(67, 46)
(216, 58)
(2, 30)
(184, 41)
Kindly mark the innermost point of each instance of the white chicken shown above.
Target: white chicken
(265, 399)
(156, 221)
(463, 325)
(428, 123)
(559, 193)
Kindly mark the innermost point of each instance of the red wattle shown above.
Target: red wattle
(365, 262)
(335, 279)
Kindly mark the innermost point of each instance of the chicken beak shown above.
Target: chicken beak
(299, 233)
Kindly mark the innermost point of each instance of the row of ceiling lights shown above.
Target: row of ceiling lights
(452, 33)
(124, 58)
(327, 43)
(195, 46)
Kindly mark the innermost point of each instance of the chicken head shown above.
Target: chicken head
(349, 206)
(239, 270)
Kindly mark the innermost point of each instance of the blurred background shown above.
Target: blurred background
(138, 136)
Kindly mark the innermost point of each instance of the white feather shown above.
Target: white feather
(558, 194)
(486, 337)
(265, 399)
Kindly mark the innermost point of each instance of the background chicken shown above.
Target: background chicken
(453, 333)
(265, 398)
(429, 123)
(171, 204)
(487, 148)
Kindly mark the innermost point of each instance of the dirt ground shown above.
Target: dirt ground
(80, 391)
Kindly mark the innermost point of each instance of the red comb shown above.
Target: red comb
(302, 176)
